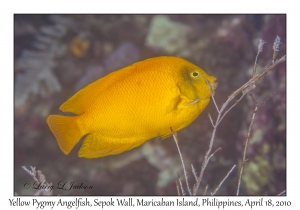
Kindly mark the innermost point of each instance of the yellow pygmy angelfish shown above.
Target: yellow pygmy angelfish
(132, 105)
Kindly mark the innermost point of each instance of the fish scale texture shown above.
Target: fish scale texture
(137, 103)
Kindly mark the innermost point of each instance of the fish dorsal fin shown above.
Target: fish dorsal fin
(81, 100)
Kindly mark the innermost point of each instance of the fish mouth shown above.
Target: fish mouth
(212, 85)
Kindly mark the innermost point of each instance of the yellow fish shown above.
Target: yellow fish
(129, 106)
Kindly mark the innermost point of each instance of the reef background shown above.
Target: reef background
(56, 55)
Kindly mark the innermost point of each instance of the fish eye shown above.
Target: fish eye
(195, 74)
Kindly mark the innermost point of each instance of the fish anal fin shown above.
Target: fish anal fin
(95, 146)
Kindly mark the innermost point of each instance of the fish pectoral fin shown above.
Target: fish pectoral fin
(186, 97)
(184, 102)
(95, 146)
(193, 102)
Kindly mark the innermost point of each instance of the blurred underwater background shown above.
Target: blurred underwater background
(56, 55)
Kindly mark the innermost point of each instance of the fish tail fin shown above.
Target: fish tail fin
(65, 130)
